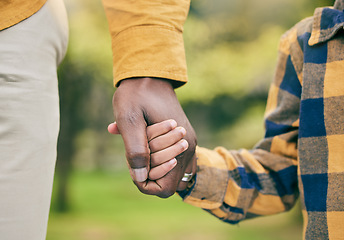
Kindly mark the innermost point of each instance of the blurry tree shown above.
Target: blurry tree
(74, 88)
(85, 88)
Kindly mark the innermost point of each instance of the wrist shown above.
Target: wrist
(150, 81)
(185, 192)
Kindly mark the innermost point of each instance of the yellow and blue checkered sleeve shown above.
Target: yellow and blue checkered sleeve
(234, 185)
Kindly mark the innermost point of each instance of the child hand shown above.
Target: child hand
(165, 143)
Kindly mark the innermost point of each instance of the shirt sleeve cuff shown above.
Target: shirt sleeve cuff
(149, 51)
(210, 185)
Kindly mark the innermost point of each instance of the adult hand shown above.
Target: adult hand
(139, 102)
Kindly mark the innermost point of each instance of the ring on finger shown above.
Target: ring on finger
(187, 177)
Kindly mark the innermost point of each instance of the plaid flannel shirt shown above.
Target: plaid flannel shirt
(302, 152)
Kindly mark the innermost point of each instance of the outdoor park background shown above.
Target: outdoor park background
(231, 48)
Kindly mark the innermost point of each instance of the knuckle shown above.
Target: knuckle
(144, 191)
(153, 161)
(128, 117)
(166, 194)
(153, 145)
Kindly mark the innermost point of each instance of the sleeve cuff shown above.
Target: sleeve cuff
(149, 51)
(210, 185)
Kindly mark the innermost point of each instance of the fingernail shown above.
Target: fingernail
(173, 123)
(110, 126)
(182, 130)
(184, 144)
(173, 162)
(140, 174)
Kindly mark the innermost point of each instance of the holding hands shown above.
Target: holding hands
(142, 102)
(166, 142)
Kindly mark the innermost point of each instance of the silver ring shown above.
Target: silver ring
(187, 177)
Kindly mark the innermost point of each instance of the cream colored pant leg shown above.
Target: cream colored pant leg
(29, 120)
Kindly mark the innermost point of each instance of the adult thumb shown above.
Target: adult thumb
(136, 147)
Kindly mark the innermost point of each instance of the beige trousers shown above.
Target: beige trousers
(30, 52)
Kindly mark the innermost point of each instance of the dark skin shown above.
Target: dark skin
(138, 103)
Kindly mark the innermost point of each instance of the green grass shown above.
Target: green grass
(106, 206)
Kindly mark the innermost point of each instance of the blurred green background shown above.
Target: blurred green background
(231, 49)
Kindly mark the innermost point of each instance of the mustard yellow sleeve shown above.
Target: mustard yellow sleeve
(147, 38)
(15, 11)
(240, 184)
